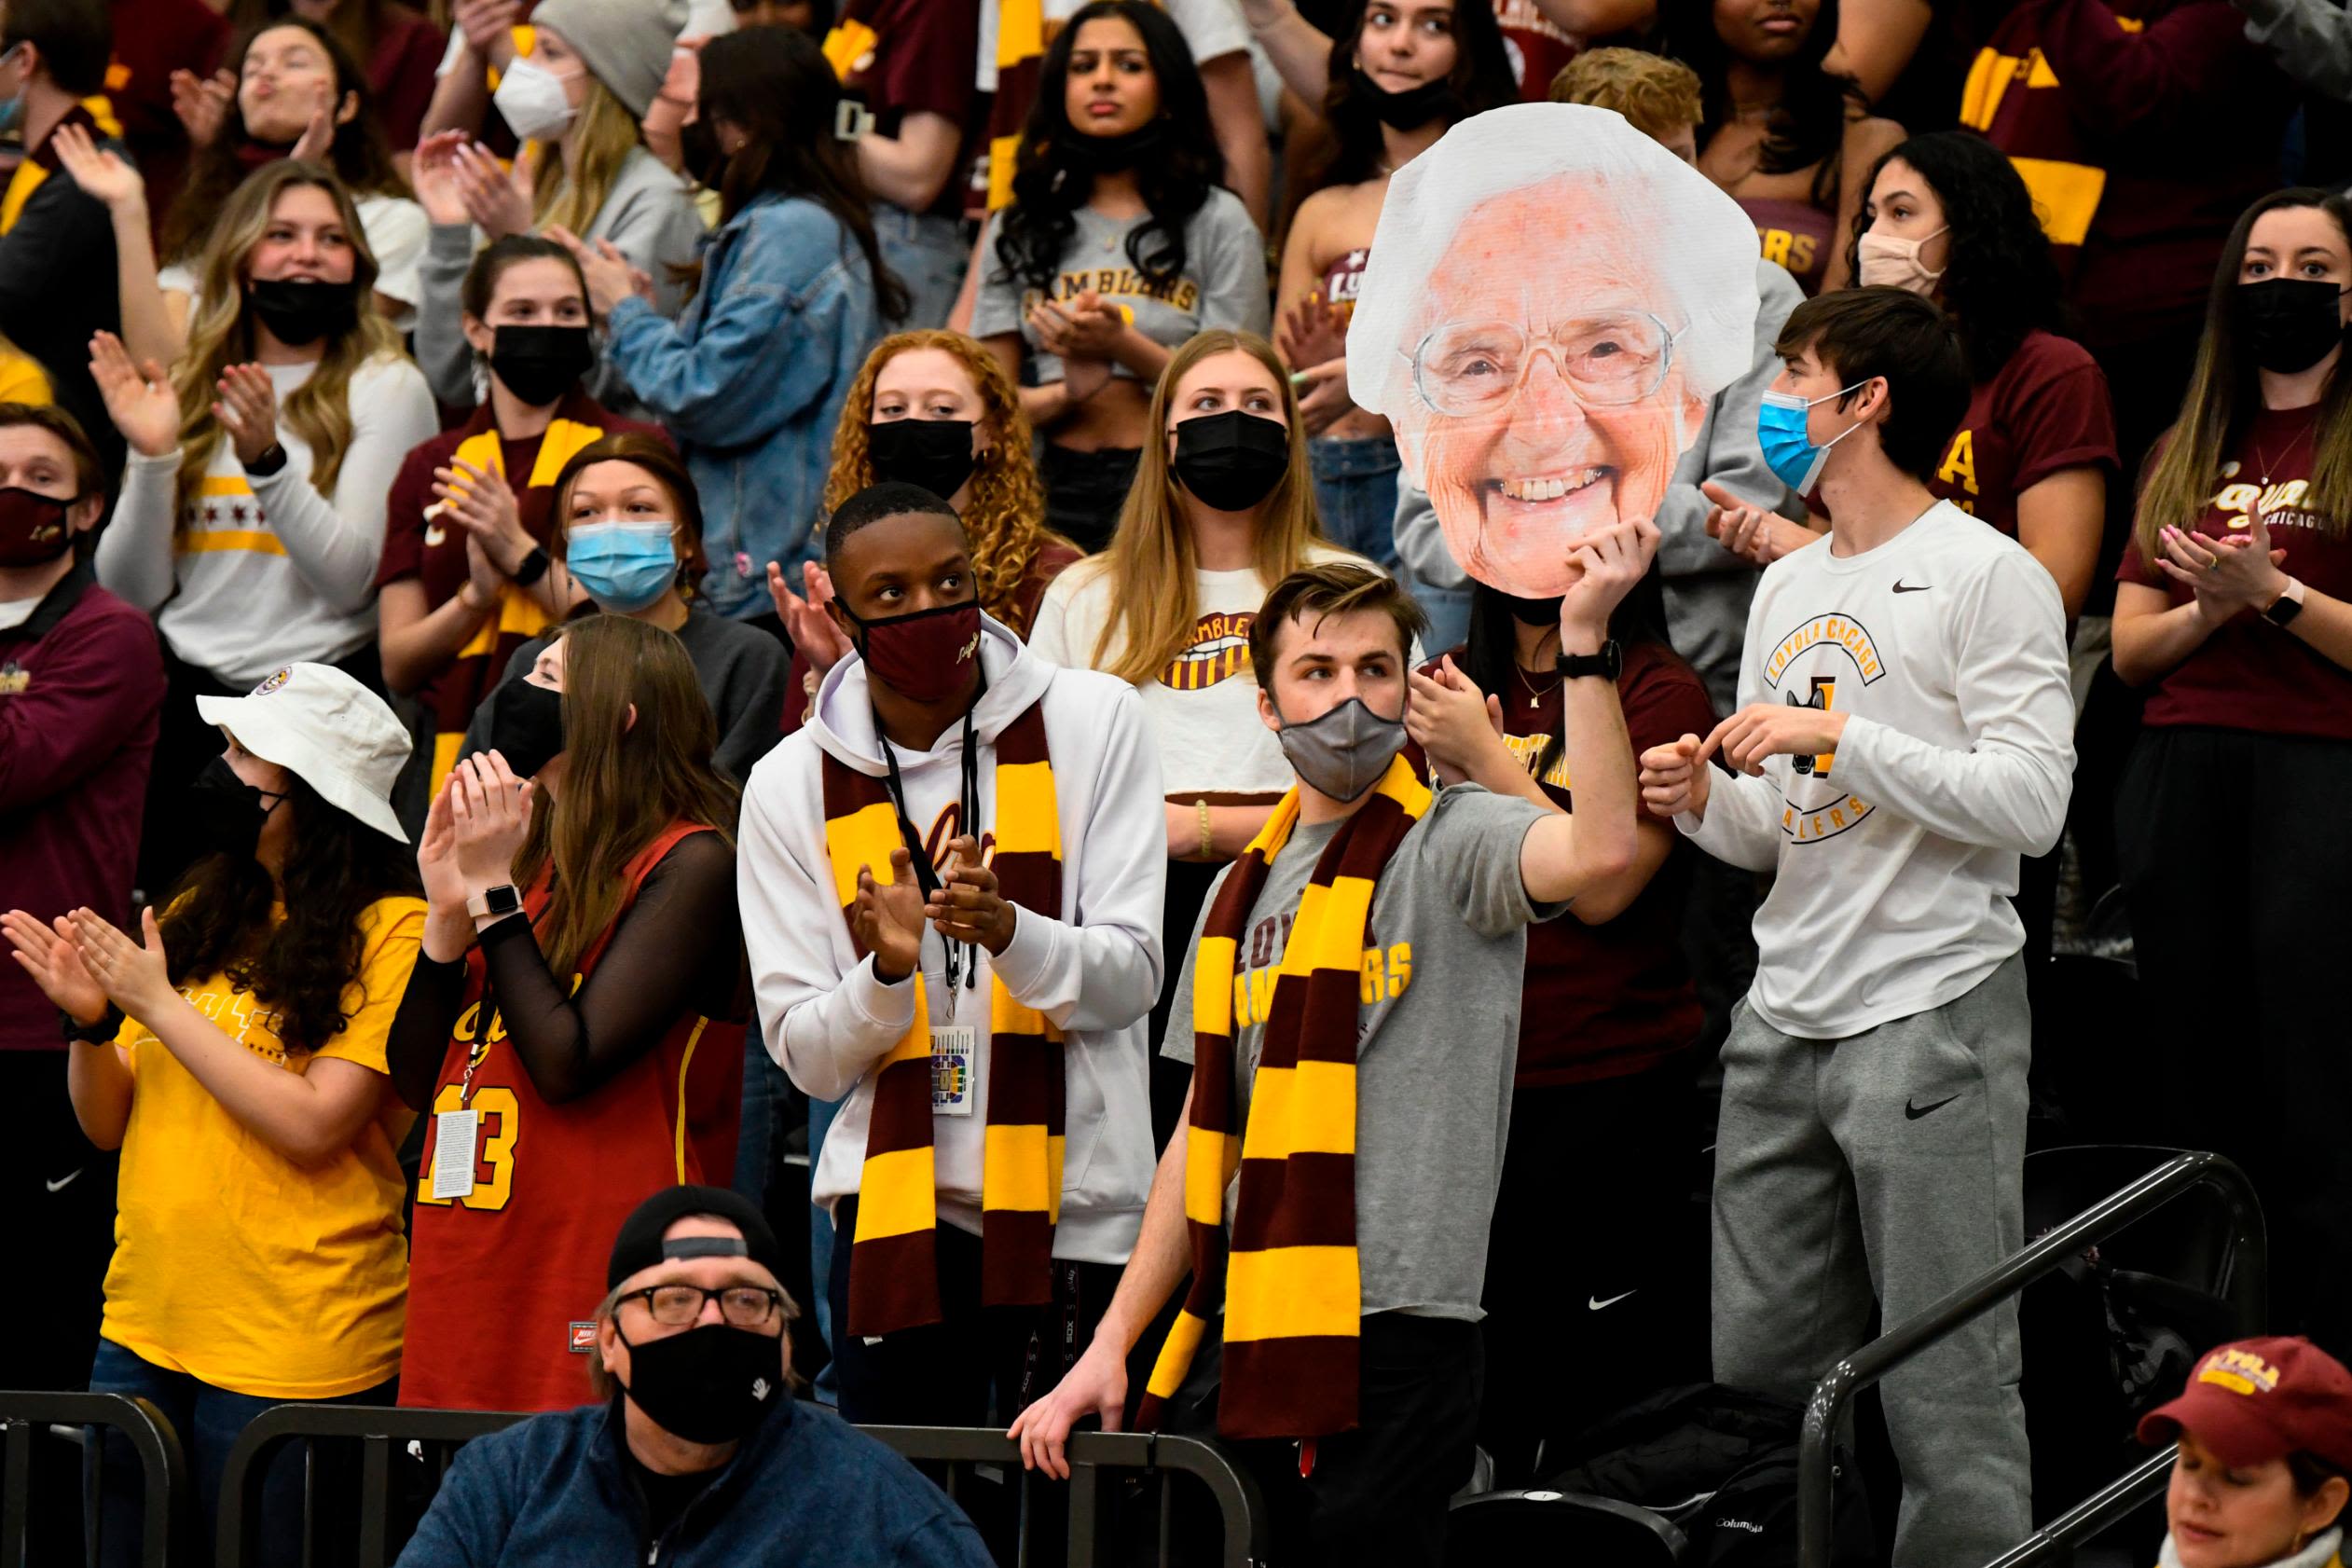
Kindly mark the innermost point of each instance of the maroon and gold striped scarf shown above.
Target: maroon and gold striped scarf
(1290, 1282)
(894, 1271)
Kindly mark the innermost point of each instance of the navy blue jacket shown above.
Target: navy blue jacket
(805, 1490)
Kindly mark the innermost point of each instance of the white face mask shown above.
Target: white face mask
(1884, 261)
(533, 101)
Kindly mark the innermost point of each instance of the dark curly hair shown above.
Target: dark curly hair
(218, 919)
(1809, 124)
(360, 155)
(2000, 282)
(1353, 146)
(1048, 188)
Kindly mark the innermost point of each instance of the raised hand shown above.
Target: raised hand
(134, 975)
(50, 956)
(483, 505)
(1312, 333)
(611, 277)
(1322, 395)
(498, 199)
(967, 906)
(100, 175)
(485, 23)
(2228, 576)
(318, 137)
(887, 918)
(247, 410)
(1756, 534)
(433, 175)
(1457, 725)
(1609, 561)
(490, 817)
(139, 398)
(202, 104)
(816, 637)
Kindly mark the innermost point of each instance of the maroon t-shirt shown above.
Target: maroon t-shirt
(918, 59)
(1537, 47)
(1601, 1001)
(2251, 675)
(401, 73)
(2044, 410)
(152, 39)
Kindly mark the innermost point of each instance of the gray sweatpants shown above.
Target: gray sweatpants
(1889, 1163)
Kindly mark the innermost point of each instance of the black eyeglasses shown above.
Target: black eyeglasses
(678, 1306)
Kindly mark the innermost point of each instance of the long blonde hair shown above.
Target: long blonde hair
(1151, 564)
(607, 135)
(2223, 392)
(624, 783)
(221, 334)
(1005, 521)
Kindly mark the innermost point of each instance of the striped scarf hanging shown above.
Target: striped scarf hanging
(894, 1272)
(1290, 1282)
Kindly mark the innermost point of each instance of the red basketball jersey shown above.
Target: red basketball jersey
(504, 1283)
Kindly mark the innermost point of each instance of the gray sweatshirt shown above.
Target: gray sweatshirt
(2311, 39)
(1707, 586)
(649, 216)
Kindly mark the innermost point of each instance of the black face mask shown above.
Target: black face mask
(527, 726)
(1412, 108)
(710, 1384)
(539, 364)
(936, 454)
(1105, 155)
(1534, 611)
(1232, 460)
(2289, 324)
(229, 814)
(299, 313)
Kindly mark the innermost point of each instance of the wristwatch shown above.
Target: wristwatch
(2287, 605)
(531, 568)
(494, 903)
(272, 458)
(1609, 662)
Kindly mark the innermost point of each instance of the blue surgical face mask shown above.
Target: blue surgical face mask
(625, 567)
(11, 108)
(1788, 450)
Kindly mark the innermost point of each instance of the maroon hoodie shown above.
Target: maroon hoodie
(81, 690)
(2143, 127)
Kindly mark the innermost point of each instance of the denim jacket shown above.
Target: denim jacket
(750, 380)
(806, 1489)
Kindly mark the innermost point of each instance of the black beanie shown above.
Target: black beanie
(639, 1244)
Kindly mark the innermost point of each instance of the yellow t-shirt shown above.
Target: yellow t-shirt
(232, 1263)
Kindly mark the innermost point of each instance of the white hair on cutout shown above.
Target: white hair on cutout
(1702, 248)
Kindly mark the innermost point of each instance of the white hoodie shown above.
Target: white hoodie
(1094, 970)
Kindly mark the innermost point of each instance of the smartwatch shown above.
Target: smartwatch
(531, 568)
(272, 458)
(2287, 605)
(494, 903)
(1609, 662)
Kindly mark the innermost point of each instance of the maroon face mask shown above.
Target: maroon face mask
(32, 528)
(927, 656)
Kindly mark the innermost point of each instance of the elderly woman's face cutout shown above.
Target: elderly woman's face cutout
(1546, 401)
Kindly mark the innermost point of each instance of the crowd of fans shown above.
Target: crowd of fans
(596, 593)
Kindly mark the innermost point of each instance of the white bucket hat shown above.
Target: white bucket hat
(328, 730)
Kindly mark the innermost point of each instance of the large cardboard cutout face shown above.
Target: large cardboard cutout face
(1551, 301)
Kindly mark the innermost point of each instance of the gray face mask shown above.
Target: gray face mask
(1345, 752)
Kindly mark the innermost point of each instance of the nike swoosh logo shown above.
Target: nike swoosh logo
(1913, 1112)
(1902, 588)
(62, 1183)
(1594, 1304)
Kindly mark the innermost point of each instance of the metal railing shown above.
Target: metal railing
(2245, 1275)
(2110, 1504)
(27, 1416)
(1096, 1459)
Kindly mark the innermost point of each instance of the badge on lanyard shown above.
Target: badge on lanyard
(453, 1144)
(952, 1049)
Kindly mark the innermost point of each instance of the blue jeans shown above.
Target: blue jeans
(1356, 491)
(1448, 609)
(927, 252)
(765, 1092)
(207, 1421)
(820, 1248)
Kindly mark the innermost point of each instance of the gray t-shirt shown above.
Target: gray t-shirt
(1445, 954)
(1223, 283)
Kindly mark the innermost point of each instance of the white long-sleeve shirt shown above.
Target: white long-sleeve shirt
(1093, 966)
(1894, 856)
(266, 572)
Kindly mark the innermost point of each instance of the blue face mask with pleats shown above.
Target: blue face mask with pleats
(625, 567)
(1788, 450)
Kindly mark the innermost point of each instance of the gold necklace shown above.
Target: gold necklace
(1535, 694)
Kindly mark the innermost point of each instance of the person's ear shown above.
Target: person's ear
(1266, 714)
(348, 110)
(629, 722)
(479, 337)
(2321, 1509)
(83, 514)
(609, 1349)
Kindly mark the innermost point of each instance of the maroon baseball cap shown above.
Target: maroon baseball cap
(2261, 1399)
